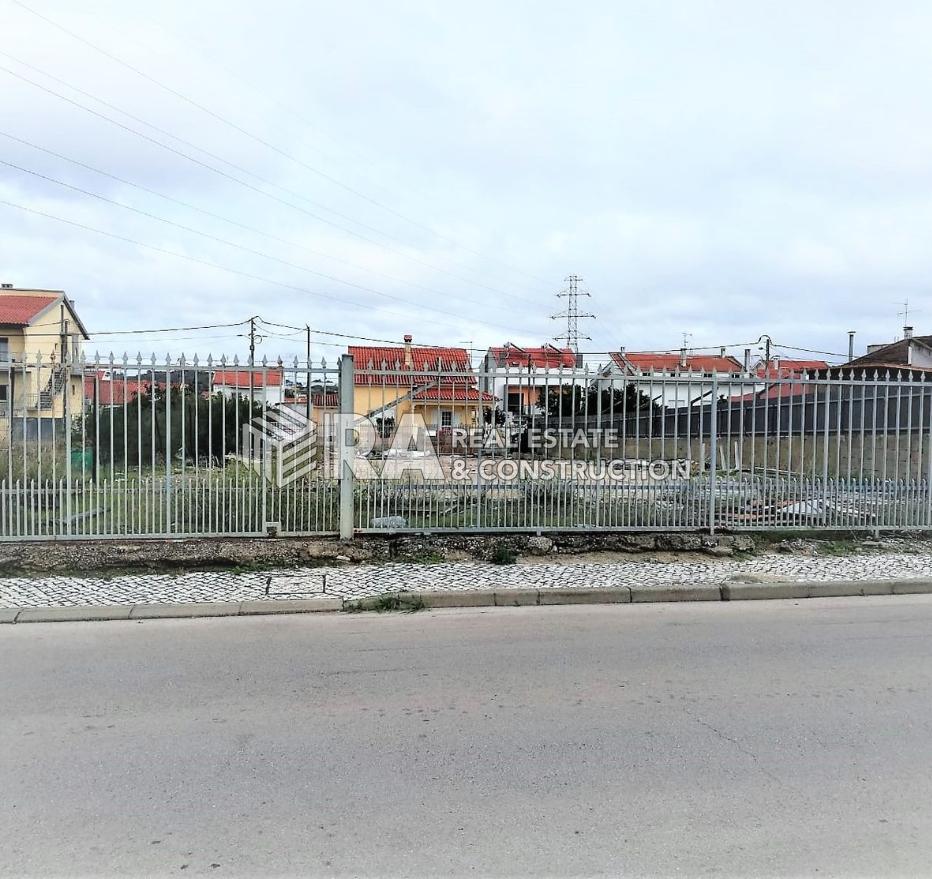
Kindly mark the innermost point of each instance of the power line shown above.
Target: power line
(314, 170)
(142, 188)
(250, 186)
(162, 330)
(194, 146)
(398, 342)
(222, 267)
(223, 241)
(809, 350)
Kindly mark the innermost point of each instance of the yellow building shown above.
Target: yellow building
(436, 383)
(39, 329)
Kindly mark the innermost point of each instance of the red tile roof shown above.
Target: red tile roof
(777, 391)
(650, 362)
(114, 392)
(547, 356)
(452, 395)
(20, 311)
(240, 378)
(370, 360)
(785, 368)
(321, 401)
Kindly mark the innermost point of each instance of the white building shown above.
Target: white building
(266, 385)
(676, 380)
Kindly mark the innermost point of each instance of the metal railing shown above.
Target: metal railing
(189, 447)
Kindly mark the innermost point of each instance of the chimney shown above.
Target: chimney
(747, 359)
(850, 345)
(721, 351)
(907, 332)
(409, 360)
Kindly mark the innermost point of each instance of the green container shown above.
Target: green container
(82, 459)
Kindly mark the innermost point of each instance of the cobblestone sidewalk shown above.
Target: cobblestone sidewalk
(360, 581)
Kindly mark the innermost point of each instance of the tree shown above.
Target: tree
(572, 401)
(156, 426)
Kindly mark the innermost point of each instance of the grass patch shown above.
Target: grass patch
(503, 554)
(427, 557)
(837, 547)
(392, 602)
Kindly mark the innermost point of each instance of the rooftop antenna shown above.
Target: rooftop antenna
(469, 347)
(904, 313)
(572, 314)
(684, 348)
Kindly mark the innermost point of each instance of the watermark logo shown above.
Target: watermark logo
(545, 470)
(284, 446)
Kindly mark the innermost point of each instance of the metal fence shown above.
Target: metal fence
(188, 447)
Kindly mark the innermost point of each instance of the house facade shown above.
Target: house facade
(438, 384)
(676, 380)
(911, 354)
(264, 385)
(519, 376)
(40, 334)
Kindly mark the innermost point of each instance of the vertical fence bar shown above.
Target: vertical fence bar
(713, 448)
(346, 383)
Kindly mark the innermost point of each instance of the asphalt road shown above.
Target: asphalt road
(744, 738)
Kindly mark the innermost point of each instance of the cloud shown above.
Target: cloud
(721, 169)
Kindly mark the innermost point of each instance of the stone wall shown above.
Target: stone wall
(115, 556)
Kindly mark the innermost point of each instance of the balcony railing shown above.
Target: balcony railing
(42, 402)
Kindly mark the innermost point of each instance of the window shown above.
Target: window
(446, 419)
(514, 402)
(4, 348)
(3, 393)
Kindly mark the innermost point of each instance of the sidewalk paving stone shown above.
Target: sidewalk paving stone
(362, 581)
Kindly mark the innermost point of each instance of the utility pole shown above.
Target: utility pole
(308, 380)
(252, 365)
(63, 339)
(766, 340)
(572, 314)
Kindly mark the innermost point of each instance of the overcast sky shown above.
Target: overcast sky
(724, 169)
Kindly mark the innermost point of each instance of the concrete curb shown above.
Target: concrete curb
(637, 594)
(186, 610)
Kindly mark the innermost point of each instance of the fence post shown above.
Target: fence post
(66, 365)
(928, 521)
(345, 448)
(713, 449)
